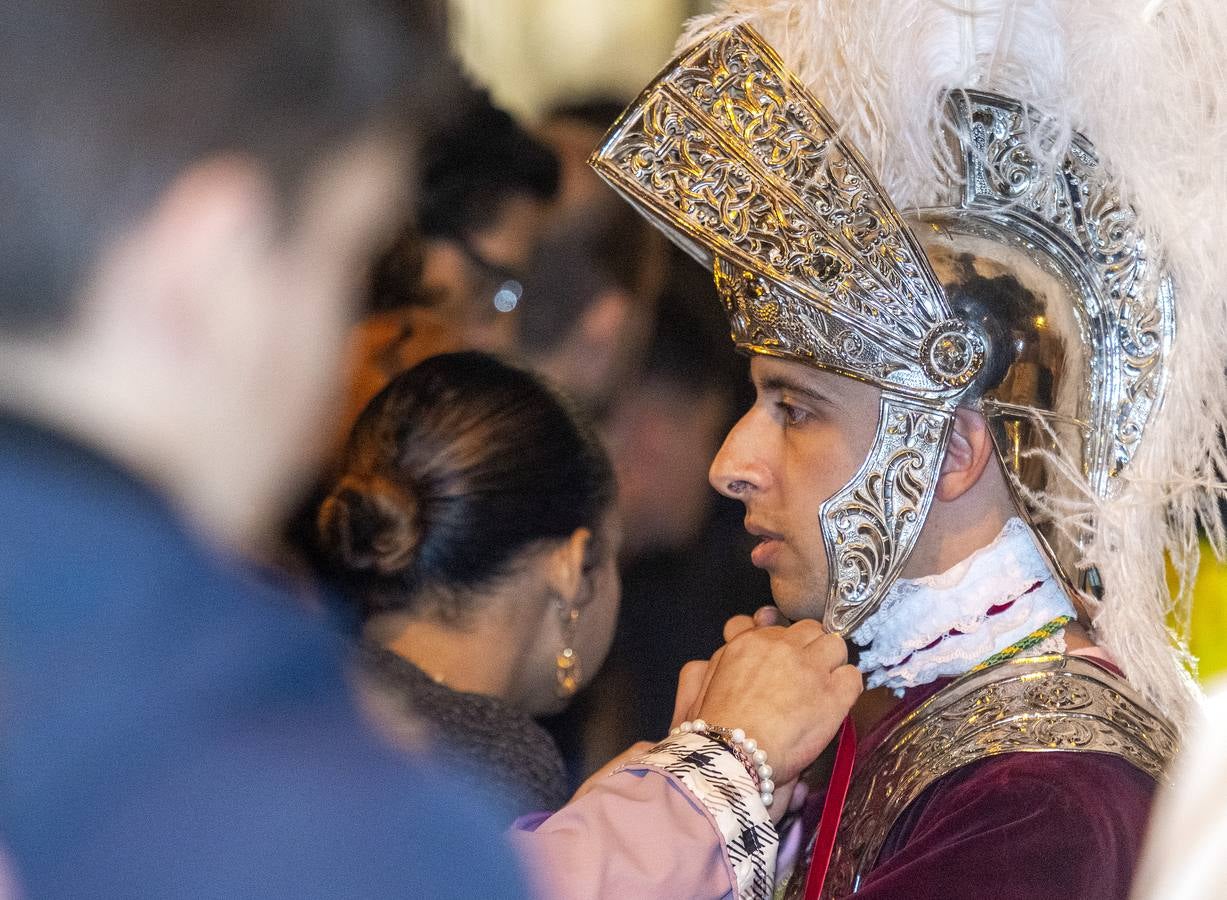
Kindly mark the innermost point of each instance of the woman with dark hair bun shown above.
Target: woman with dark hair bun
(472, 523)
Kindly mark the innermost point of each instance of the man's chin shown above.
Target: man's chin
(795, 602)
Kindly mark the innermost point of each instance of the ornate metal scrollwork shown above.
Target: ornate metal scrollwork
(1074, 214)
(953, 352)
(1036, 705)
(738, 163)
(765, 318)
(871, 523)
(735, 161)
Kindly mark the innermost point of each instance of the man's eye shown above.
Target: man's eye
(791, 414)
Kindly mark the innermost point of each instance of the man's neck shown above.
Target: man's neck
(80, 397)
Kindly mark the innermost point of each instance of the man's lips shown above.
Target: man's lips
(768, 545)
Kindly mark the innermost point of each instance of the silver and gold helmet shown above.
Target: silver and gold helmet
(1032, 297)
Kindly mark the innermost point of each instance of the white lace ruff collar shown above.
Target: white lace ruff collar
(945, 624)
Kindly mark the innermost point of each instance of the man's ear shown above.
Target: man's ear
(565, 567)
(967, 453)
(203, 228)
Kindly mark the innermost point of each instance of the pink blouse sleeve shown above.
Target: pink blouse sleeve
(684, 820)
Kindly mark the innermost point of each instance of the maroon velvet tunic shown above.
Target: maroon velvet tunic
(1018, 826)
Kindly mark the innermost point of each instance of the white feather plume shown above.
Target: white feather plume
(1146, 82)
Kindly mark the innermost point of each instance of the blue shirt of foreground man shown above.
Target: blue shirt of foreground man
(190, 194)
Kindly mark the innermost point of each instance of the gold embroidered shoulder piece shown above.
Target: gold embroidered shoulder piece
(1034, 705)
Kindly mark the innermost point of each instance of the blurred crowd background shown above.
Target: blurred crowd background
(517, 249)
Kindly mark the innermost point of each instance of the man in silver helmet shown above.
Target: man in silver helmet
(962, 452)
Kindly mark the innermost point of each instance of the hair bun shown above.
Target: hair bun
(370, 524)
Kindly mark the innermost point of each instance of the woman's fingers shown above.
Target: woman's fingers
(690, 683)
(789, 688)
(769, 615)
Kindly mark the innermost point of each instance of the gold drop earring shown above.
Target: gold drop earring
(568, 672)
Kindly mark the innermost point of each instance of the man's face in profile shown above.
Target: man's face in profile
(803, 439)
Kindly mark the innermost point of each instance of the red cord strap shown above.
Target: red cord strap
(832, 810)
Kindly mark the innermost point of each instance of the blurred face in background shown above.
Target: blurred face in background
(186, 226)
(219, 329)
(457, 295)
(307, 304)
(661, 439)
(474, 284)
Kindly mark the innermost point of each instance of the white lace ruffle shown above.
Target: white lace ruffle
(923, 611)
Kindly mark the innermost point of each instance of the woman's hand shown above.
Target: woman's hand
(692, 680)
(763, 617)
(787, 687)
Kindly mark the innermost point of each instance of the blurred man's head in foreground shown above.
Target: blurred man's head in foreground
(191, 197)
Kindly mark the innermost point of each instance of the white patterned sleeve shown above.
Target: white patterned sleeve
(683, 820)
(714, 777)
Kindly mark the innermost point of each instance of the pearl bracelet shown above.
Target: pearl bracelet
(746, 749)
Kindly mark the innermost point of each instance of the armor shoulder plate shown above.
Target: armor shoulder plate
(1039, 704)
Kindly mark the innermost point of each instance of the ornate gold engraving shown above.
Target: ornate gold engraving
(735, 161)
(1124, 301)
(739, 164)
(882, 507)
(1035, 705)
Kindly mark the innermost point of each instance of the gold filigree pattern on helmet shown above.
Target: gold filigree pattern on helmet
(740, 165)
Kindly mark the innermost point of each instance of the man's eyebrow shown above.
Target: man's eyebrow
(784, 383)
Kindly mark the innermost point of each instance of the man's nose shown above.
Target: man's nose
(737, 471)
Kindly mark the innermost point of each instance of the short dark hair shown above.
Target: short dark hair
(579, 258)
(105, 102)
(396, 276)
(597, 111)
(454, 469)
(689, 347)
(474, 164)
